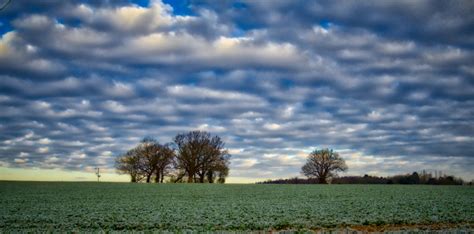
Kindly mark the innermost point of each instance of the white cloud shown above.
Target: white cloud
(205, 93)
(18, 56)
(115, 106)
(129, 18)
(34, 22)
(78, 155)
(44, 141)
(43, 150)
(211, 128)
(20, 160)
(120, 89)
(272, 126)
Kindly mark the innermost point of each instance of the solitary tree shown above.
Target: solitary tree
(323, 165)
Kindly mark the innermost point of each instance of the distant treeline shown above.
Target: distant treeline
(414, 178)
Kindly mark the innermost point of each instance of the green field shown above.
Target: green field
(124, 206)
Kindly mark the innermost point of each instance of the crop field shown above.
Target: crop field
(122, 206)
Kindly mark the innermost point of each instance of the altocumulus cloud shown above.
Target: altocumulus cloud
(389, 84)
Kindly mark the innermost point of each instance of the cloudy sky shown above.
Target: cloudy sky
(387, 84)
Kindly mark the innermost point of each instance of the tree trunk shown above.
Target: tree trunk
(157, 178)
(322, 180)
(133, 178)
(162, 176)
(201, 178)
(190, 178)
(210, 177)
(148, 178)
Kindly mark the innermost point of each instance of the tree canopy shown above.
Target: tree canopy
(323, 165)
(201, 157)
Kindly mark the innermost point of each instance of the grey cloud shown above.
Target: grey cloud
(429, 21)
(273, 82)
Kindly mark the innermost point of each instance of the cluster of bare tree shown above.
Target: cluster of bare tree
(193, 157)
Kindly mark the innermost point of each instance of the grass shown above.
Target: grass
(123, 206)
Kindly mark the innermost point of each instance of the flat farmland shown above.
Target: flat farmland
(77, 206)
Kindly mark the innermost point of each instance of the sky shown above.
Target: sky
(387, 84)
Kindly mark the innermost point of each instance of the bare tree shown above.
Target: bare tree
(164, 162)
(129, 163)
(146, 159)
(219, 169)
(222, 172)
(214, 158)
(323, 165)
(189, 147)
(148, 152)
(199, 155)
